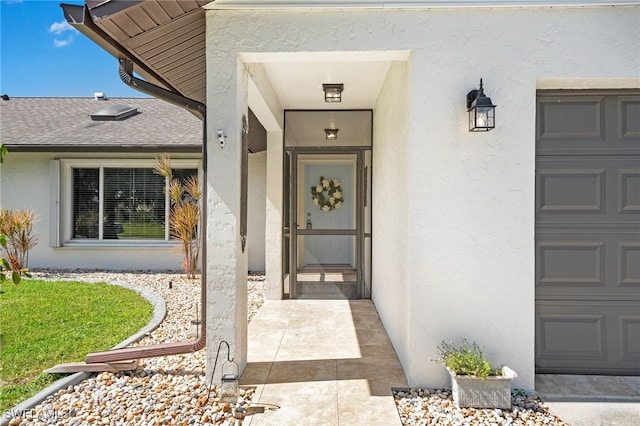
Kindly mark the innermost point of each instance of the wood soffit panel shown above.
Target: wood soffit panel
(169, 37)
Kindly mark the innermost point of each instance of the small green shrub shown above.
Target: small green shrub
(465, 359)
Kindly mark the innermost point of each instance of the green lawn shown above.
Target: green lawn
(142, 230)
(44, 323)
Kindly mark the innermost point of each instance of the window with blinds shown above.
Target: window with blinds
(121, 203)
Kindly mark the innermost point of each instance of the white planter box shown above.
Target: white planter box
(492, 392)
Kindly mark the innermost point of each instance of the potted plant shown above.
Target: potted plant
(474, 383)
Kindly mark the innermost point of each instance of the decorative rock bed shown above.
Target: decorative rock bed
(436, 407)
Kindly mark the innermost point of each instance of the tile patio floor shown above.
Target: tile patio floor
(321, 362)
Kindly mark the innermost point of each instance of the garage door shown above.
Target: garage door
(588, 232)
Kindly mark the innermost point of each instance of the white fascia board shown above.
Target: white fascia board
(406, 4)
(350, 56)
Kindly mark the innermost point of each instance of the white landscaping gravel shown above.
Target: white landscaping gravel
(436, 407)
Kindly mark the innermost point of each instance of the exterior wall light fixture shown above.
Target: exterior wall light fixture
(331, 134)
(482, 112)
(333, 92)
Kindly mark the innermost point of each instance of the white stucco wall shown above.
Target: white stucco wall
(25, 182)
(468, 204)
(391, 280)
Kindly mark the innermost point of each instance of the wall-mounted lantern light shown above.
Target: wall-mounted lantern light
(333, 92)
(482, 113)
(331, 134)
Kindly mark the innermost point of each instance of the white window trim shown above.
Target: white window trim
(66, 205)
(54, 211)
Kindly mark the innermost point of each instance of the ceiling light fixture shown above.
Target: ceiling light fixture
(333, 92)
(331, 134)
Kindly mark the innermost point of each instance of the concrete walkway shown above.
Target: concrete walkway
(592, 400)
(321, 362)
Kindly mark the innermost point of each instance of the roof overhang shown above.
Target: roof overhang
(164, 40)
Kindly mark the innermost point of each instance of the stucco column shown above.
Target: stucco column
(273, 235)
(226, 264)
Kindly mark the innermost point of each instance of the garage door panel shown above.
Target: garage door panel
(571, 263)
(571, 120)
(630, 265)
(572, 335)
(578, 265)
(571, 191)
(629, 180)
(594, 189)
(629, 123)
(630, 330)
(587, 337)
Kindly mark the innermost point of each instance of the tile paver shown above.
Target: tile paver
(321, 362)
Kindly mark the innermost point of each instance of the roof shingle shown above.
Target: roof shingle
(49, 124)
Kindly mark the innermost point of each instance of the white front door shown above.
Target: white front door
(330, 206)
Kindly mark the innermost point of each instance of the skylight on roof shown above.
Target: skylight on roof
(114, 113)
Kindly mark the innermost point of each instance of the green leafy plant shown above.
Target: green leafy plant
(465, 359)
(184, 215)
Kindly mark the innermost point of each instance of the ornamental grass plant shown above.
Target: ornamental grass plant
(17, 228)
(11, 266)
(184, 215)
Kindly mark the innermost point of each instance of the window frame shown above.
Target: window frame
(66, 200)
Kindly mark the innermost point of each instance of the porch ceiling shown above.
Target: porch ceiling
(299, 82)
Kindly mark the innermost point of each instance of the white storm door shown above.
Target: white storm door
(339, 201)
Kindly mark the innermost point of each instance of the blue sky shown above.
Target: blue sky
(41, 55)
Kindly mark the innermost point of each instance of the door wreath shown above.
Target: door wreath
(327, 194)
